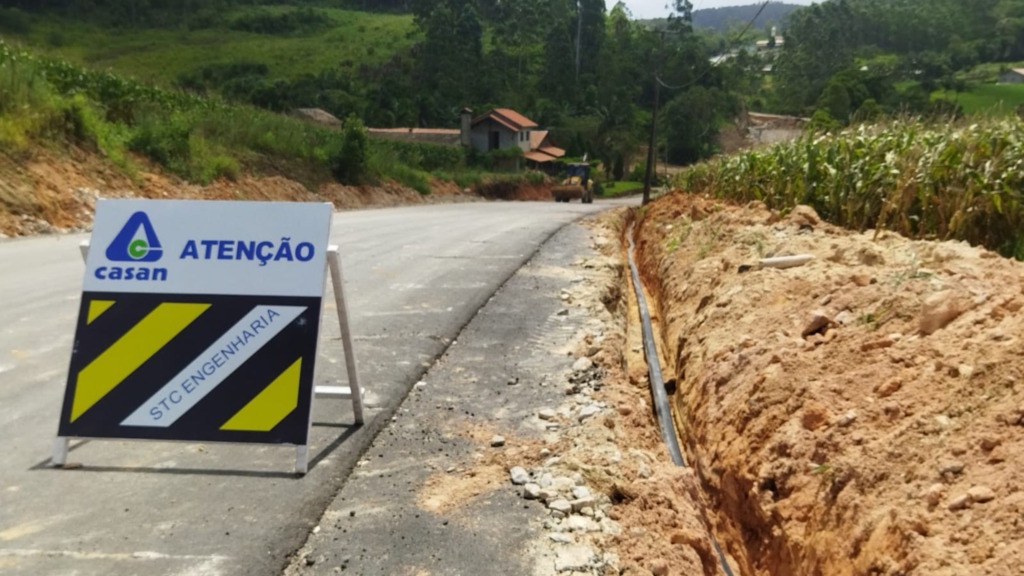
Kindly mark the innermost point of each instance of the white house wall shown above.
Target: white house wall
(480, 136)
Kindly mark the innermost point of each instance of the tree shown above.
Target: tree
(836, 101)
(351, 164)
(691, 123)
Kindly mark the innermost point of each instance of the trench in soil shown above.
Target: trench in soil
(751, 543)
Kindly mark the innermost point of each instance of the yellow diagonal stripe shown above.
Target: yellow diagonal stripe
(271, 405)
(130, 351)
(97, 307)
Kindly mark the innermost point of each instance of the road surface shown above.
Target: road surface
(415, 276)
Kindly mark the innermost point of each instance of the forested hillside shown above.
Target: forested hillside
(858, 58)
(582, 69)
(730, 17)
(577, 68)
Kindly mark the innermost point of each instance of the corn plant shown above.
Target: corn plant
(960, 181)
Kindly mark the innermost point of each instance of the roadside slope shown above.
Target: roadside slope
(43, 191)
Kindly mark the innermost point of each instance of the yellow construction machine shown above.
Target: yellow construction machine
(577, 184)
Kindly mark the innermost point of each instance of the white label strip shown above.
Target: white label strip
(213, 366)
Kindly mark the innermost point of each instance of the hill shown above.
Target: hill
(723, 19)
(277, 41)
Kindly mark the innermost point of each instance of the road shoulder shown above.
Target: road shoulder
(528, 448)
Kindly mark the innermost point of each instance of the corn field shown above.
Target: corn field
(953, 182)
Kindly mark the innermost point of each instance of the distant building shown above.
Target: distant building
(1014, 76)
(774, 41)
(498, 129)
(501, 128)
(542, 151)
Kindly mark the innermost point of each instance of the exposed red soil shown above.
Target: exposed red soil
(861, 414)
(44, 192)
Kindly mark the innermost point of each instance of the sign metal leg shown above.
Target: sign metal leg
(60, 451)
(301, 459)
(334, 261)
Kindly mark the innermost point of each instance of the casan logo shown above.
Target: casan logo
(136, 242)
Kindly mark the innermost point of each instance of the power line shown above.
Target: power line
(658, 83)
(708, 70)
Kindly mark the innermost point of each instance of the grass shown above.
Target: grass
(161, 55)
(989, 99)
(987, 72)
(612, 189)
(55, 103)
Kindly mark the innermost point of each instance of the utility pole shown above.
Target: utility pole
(654, 121)
(579, 36)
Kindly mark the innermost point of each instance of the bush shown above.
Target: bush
(304, 20)
(418, 181)
(216, 75)
(822, 121)
(427, 157)
(164, 140)
(350, 166)
(536, 178)
(14, 21)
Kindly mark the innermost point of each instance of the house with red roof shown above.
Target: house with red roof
(498, 129)
(503, 128)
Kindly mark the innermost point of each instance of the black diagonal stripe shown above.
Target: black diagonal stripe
(204, 420)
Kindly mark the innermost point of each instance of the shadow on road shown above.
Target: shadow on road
(350, 429)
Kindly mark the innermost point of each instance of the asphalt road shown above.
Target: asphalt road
(414, 276)
(441, 434)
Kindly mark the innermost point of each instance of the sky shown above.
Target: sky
(657, 9)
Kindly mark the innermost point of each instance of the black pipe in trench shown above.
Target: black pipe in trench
(658, 395)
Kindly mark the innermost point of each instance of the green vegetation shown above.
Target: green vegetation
(417, 68)
(612, 189)
(344, 39)
(842, 55)
(958, 181)
(46, 101)
(997, 99)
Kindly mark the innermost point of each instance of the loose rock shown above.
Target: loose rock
(953, 468)
(981, 494)
(582, 365)
(561, 505)
(572, 558)
(939, 310)
(497, 441)
(959, 503)
(579, 492)
(546, 414)
(589, 411)
(531, 491)
(815, 416)
(817, 324)
(847, 419)
(989, 443)
(933, 495)
(519, 475)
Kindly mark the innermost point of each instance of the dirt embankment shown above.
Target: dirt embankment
(861, 414)
(752, 130)
(45, 192)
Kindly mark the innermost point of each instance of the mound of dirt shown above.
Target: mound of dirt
(43, 192)
(860, 414)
